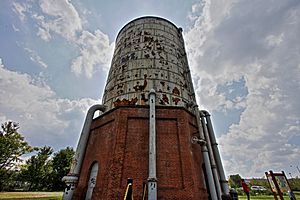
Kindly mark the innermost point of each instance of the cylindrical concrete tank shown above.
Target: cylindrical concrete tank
(149, 53)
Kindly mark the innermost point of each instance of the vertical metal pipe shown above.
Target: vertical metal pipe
(211, 155)
(223, 181)
(211, 183)
(72, 178)
(152, 181)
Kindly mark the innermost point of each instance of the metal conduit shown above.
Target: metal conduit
(152, 181)
(211, 155)
(223, 181)
(204, 150)
(72, 178)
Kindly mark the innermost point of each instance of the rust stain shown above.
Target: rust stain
(120, 92)
(175, 100)
(143, 97)
(148, 38)
(121, 77)
(176, 91)
(132, 56)
(124, 67)
(125, 102)
(140, 87)
(161, 102)
(165, 98)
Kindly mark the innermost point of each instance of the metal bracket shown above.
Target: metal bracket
(195, 140)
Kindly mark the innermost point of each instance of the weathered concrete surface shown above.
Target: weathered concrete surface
(149, 53)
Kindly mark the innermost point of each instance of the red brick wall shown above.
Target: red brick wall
(119, 143)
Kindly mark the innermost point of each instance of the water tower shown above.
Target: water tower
(150, 129)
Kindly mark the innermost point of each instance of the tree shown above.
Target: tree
(38, 169)
(61, 164)
(12, 147)
(235, 181)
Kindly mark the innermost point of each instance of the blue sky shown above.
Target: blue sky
(244, 58)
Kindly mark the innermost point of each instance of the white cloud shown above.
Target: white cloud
(94, 50)
(62, 18)
(66, 20)
(15, 28)
(36, 58)
(44, 33)
(273, 40)
(20, 9)
(44, 118)
(258, 42)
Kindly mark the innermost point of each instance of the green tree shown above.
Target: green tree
(260, 181)
(61, 164)
(38, 169)
(235, 181)
(295, 184)
(12, 147)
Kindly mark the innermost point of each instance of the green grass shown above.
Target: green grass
(258, 197)
(58, 196)
(31, 195)
(266, 197)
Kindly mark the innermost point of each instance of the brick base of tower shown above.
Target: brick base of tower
(119, 143)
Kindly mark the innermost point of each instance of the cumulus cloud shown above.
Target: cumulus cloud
(256, 42)
(60, 17)
(94, 50)
(44, 118)
(65, 19)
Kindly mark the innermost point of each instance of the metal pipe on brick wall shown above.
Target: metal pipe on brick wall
(204, 150)
(211, 155)
(72, 178)
(152, 181)
(223, 181)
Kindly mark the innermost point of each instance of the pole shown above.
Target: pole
(152, 181)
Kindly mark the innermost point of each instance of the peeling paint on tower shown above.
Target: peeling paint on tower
(149, 53)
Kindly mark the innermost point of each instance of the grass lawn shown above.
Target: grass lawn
(261, 197)
(58, 196)
(31, 195)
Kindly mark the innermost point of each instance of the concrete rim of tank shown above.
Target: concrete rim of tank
(144, 17)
